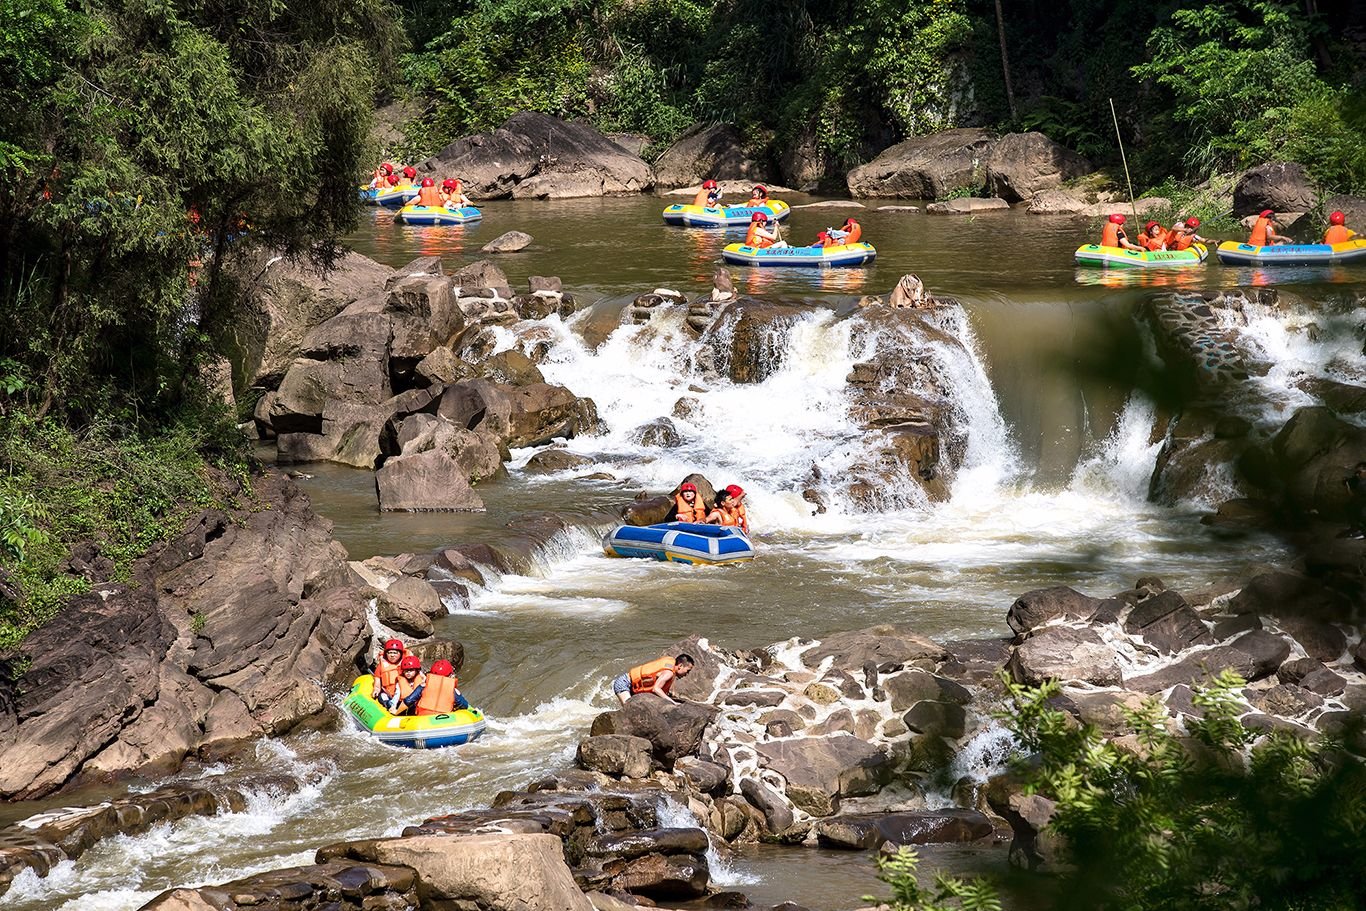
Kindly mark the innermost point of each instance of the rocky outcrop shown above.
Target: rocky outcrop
(707, 152)
(926, 167)
(1283, 186)
(1020, 165)
(536, 156)
(229, 631)
(674, 730)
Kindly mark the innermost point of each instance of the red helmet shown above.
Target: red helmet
(1192, 223)
(1337, 218)
(758, 216)
(1267, 213)
(442, 668)
(1150, 225)
(1116, 219)
(410, 663)
(822, 236)
(410, 172)
(709, 185)
(428, 182)
(387, 168)
(849, 221)
(393, 180)
(394, 645)
(761, 188)
(735, 491)
(688, 486)
(450, 183)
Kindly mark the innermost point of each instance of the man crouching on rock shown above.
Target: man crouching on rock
(656, 677)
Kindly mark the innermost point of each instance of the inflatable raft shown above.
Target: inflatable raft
(396, 196)
(811, 257)
(1234, 253)
(1096, 255)
(413, 214)
(680, 542)
(422, 732)
(693, 216)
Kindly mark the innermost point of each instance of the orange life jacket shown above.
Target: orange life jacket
(701, 198)
(387, 674)
(1338, 234)
(1148, 242)
(406, 686)
(689, 512)
(854, 234)
(438, 698)
(430, 196)
(754, 239)
(733, 516)
(1179, 240)
(643, 676)
(1260, 228)
(1109, 235)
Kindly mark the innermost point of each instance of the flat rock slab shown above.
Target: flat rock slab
(1166, 622)
(1066, 654)
(833, 204)
(1034, 609)
(820, 770)
(921, 827)
(888, 644)
(1253, 655)
(967, 206)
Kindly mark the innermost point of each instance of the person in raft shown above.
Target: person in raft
(409, 175)
(708, 196)
(1153, 238)
(406, 692)
(1112, 235)
(1264, 231)
(851, 232)
(381, 176)
(688, 506)
(429, 195)
(1338, 232)
(758, 196)
(386, 669)
(1182, 235)
(441, 693)
(730, 509)
(453, 193)
(760, 235)
(656, 677)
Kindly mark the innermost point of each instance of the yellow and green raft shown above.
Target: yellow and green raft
(422, 732)
(1120, 258)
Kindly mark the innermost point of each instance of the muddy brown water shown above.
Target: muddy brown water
(1054, 494)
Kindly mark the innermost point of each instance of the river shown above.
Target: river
(1053, 491)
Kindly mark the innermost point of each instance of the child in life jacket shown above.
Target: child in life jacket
(381, 176)
(1182, 234)
(1264, 231)
(452, 191)
(730, 509)
(758, 196)
(441, 693)
(759, 235)
(708, 196)
(1338, 232)
(688, 506)
(1112, 234)
(1153, 238)
(404, 695)
(386, 669)
(429, 195)
(409, 175)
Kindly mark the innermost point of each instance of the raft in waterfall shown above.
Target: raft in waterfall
(1234, 253)
(422, 732)
(680, 542)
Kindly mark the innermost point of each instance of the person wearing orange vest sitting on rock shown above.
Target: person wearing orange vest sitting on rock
(1112, 235)
(1338, 232)
(407, 690)
(1153, 237)
(730, 509)
(708, 196)
(452, 192)
(758, 196)
(386, 670)
(1182, 235)
(688, 506)
(441, 693)
(656, 677)
(759, 235)
(429, 195)
(1264, 231)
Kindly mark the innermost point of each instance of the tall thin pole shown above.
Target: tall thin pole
(1005, 58)
(1127, 179)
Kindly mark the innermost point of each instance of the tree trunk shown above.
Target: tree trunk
(1005, 59)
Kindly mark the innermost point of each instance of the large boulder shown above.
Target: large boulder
(530, 415)
(1253, 655)
(967, 205)
(926, 167)
(866, 832)
(1280, 185)
(522, 872)
(1066, 654)
(1166, 622)
(425, 317)
(619, 755)
(1021, 164)
(748, 338)
(425, 481)
(821, 770)
(536, 156)
(887, 645)
(1033, 609)
(1312, 455)
(674, 729)
(707, 151)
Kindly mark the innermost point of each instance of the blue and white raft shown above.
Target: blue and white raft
(413, 214)
(389, 196)
(692, 216)
(680, 542)
(810, 257)
(1237, 254)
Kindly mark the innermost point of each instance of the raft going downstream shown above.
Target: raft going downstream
(1096, 255)
(810, 257)
(693, 216)
(421, 732)
(680, 542)
(1234, 253)
(413, 214)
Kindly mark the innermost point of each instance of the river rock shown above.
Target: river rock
(512, 368)
(481, 275)
(377, 886)
(707, 152)
(777, 814)
(819, 771)
(1280, 185)
(1269, 592)
(707, 777)
(439, 649)
(661, 433)
(402, 617)
(1066, 654)
(909, 687)
(680, 877)
(649, 841)
(925, 167)
(966, 205)
(488, 871)
(423, 482)
(920, 827)
(441, 367)
(425, 317)
(1166, 622)
(1318, 639)
(508, 242)
(748, 338)
(936, 719)
(1312, 454)
(673, 729)
(616, 754)
(552, 460)
(1033, 844)
(536, 156)
(648, 510)
(886, 645)
(231, 630)
(1253, 655)
(1033, 609)
(1019, 165)
(530, 415)
(1058, 202)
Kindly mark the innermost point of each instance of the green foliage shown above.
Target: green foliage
(1326, 132)
(104, 484)
(1219, 820)
(1207, 202)
(950, 893)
